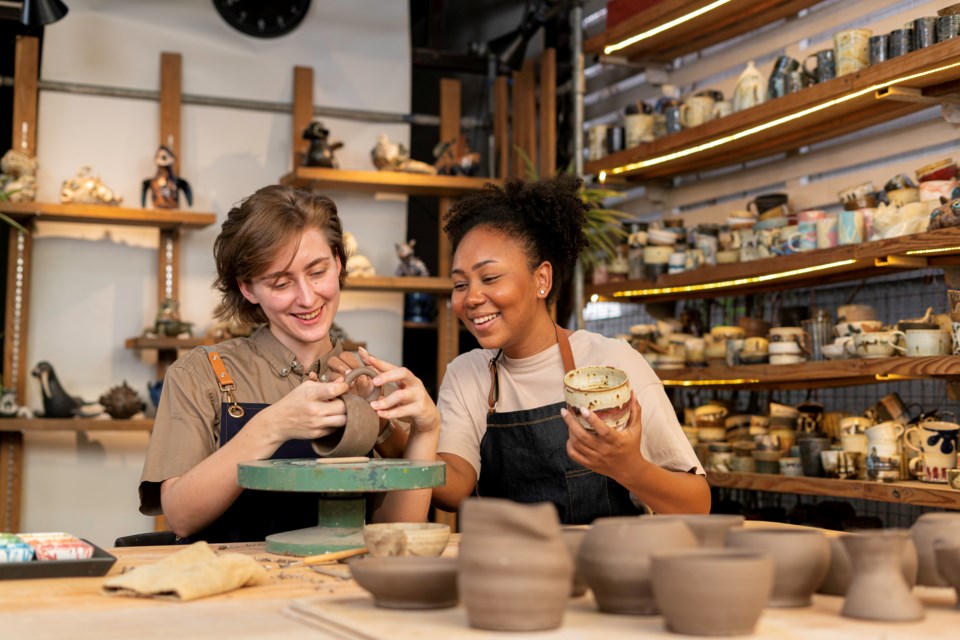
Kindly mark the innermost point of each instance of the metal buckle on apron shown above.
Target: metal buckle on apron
(225, 383)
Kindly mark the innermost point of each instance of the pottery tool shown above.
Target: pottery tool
(332, 556)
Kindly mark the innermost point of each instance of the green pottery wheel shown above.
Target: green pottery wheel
(340, 488)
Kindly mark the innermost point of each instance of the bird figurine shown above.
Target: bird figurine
(321, 150)
(57, 403)
(165, 187)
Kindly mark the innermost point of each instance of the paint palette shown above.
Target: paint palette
(50, 555)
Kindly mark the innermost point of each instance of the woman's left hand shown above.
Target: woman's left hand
(345, 363)
(409, 401)
(604, 450)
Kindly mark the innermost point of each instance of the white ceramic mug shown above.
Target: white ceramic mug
(696, 110)
(638, 127)
(876, 344)
(925, 342)
(889, 431)
(937, 446)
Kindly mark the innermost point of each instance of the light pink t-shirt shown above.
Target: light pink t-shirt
(528, 383)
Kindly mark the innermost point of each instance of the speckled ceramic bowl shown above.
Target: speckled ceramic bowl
(603, 390)
(406, 538)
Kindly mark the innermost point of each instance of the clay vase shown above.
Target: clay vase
(710, 530)
(573, 539)
(878, 590)
(929, 528)
(841, 568)
(685, 585)
(948, 564)
(515, 571)
(359, 438)
(615, 555)
(801, 558)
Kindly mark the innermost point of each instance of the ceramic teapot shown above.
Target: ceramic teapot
(751, 89)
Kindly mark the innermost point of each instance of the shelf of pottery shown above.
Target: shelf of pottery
(452, 175)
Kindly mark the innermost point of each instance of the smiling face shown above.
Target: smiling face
(497, 296)
(299, 293)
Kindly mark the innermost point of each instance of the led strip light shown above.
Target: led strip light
(666, 26)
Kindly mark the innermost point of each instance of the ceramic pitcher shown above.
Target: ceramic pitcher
(751, 89)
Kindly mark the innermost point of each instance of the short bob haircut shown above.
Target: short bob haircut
(255, 232)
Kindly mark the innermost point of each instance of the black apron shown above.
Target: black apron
(523, 457)
(256, 514)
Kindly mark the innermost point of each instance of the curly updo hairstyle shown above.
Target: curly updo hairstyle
(547, 217)
(254, 234)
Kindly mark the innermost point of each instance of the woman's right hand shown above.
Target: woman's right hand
(311, 410)
(409, 402)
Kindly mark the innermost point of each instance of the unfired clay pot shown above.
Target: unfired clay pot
(408, 582)
(948, 565)
(515, 571)
(406, 538)
(929, 528)
(841, 568)
(709, 529)
(364, 425)
(878, 590)
(573, 538)
(712, 592)
(615, 559)
(801, 558)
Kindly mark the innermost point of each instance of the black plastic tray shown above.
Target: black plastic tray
(96, 565)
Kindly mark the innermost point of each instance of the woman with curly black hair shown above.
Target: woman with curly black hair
(505, 429)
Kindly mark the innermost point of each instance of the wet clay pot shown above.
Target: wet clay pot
(709, 529)
(573, 538)
(841, 568)
(615, 559)
(948, 564)
(515, 571)
(408, 582)
(878, 590)
(363, 425)
(929, 528)
(712, 592)
(801, 558)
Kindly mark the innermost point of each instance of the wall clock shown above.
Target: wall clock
(263, 19)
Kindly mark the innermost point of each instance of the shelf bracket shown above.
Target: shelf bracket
(892, 377)
(911, 94)
(902, 262)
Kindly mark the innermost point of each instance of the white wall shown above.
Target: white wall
(93, 287)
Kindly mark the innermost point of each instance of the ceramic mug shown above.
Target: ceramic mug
(696, 110)
(827, 232)
(850, 227)
(852, 50)
(805, 238)
(904, 195)
(597, 142)
(639, 128)
(956, 338)
(937, 446)
(925, 342)
(876, 344)
(826, 65)
(603, 390)
(889, 431)
(854, 425)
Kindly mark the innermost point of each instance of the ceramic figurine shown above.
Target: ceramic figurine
(320, 153)
(358, 266)
(394, 156)
(122, 402)
(165, 187)
(168, 322)
(86, 188)
(57, 403)
(18, 176)
(232, 328)
(9, 407)
(751, 89)
(454, 158)
(947, 214)
(410, 264)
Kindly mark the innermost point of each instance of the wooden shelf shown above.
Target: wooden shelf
(814, 374)
(831, 108)
(924, 494)
(721, 24)
(414, 184)
(852, 262)
(166, 343)
(400, 285)
(104, 214)
(73, 424)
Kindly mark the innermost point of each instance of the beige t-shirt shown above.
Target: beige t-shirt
(187, 427)
(528, 383)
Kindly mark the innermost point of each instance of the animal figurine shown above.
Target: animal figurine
(164, 188)
(168, 322)
(86, 188)
(9, 407)
(410, 264)
(454, 158)
(358, 266)
(57, 403)
(18, 176)
(947, 214)
(320, 153)
(394, 156)
(122, 402)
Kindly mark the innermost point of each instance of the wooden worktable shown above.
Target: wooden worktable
(74, 608)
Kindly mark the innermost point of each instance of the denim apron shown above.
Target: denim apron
(523, 457)
(256, 514)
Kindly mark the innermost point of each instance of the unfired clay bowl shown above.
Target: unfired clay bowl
(928, 529)
(801, 559)
(407, 582)
(406, 538)
(948, 566)
(603, 390)
(712, 592)
(710, 529)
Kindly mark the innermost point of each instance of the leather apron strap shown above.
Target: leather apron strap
(225, 382)
(566, 355)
